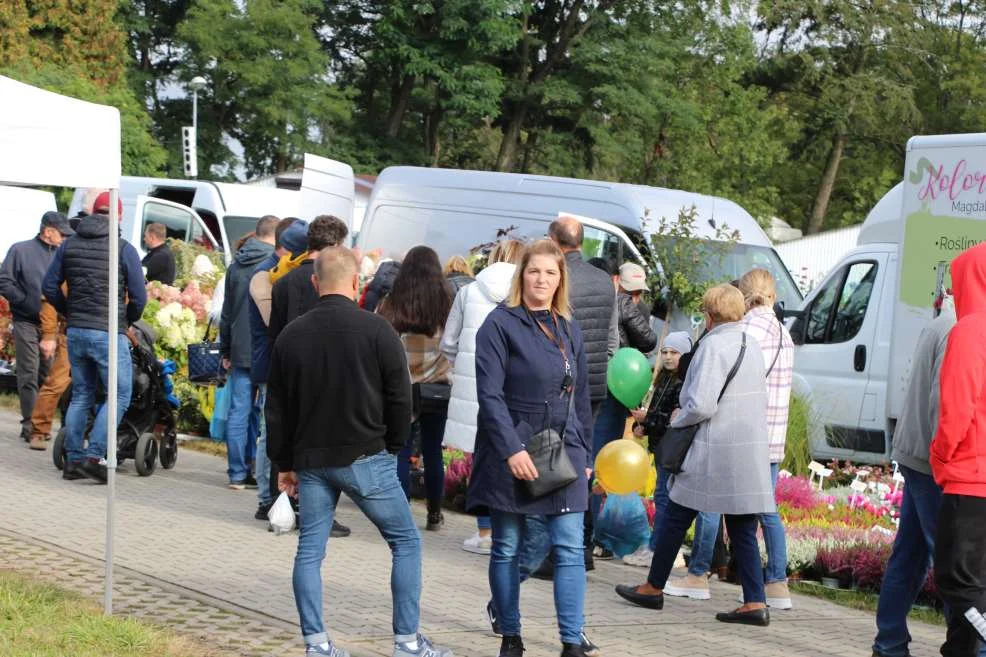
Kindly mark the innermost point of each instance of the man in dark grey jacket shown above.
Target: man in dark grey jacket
(23, 271)
(914, 546)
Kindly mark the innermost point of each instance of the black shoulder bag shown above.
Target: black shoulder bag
(673, 448)
(204, 359)
(547, 447)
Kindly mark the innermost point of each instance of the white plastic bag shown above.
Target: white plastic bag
(281, 515)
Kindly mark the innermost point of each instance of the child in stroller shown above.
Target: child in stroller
(149, 418)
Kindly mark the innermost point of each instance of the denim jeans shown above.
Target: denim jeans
(261, 463)
(742, 533)
(566, 535)
(704, 543)
(432, 429)
(909, 562)
(774, 539)
(660, 505)
(88, 353)
(609, 426)
(240, 389)
(371, 482)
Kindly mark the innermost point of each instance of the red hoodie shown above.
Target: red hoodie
(958, 452)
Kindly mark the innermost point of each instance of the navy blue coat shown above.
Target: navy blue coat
(518, 371)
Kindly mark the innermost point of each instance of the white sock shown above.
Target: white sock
(410, 645)
(324, 646)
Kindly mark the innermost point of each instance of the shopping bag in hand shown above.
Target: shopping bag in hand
(622, 525)
(281, 515)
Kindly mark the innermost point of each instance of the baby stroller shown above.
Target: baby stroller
(149, 418)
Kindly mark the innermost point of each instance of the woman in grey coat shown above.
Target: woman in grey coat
(727, 468)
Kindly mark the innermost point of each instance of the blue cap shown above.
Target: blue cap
(295, 238)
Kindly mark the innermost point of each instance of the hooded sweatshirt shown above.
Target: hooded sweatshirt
(958, 452)
(234, 325)
(472, 304)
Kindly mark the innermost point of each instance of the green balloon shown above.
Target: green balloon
(628, 377)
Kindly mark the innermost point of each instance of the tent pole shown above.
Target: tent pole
(112, 329)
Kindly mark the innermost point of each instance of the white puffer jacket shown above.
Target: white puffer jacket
(472, 304)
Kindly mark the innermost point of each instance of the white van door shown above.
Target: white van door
(836, 356)
(180, 221)
(327, 187)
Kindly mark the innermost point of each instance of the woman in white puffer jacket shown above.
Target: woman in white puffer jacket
(472, 304)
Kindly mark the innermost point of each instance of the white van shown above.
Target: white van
(857, 330)
(23, 208)
(217, 214)
(455, 211)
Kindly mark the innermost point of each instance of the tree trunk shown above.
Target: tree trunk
(506, 160)
(400, 97)
(433, 121)
(530, 149)
(821, 206)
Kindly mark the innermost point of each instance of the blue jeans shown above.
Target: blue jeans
(704, 544)
(432, 428)
(371, 482)
(566, 535)
(88, 354)
(609, 426)
(261, 464)
(909, 562)
(774, 539)
(240, 391)
(742, 533)
(660, 505)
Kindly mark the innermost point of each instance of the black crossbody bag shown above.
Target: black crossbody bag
(674, 446)
(547, 448)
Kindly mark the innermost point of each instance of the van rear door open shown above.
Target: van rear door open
(327, 188)
(180, 222)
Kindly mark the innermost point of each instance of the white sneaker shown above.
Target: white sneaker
(641, 558)
(691, 586)
(478, 544)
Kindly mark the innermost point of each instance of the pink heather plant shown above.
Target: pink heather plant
(795, 492)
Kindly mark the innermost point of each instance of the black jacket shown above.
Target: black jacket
(292, 296)
(23, 271)
(457, 281)
(592, 296)
(234, 326)
(160, 265)
(338, 389)
(658, 418)
(380, 286)
(82, 261)
(635, 330)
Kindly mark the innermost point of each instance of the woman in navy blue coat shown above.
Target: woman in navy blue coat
(529, 360)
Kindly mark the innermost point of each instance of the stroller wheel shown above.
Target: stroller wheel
(169, 451)
(145, 457)
(58, 449)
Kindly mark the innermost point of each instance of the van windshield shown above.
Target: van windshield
(237, 227)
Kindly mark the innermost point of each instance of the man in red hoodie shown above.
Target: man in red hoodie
(958, 457)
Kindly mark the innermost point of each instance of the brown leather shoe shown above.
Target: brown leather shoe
(38, 443)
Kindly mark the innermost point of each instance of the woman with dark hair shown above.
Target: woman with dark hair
(418, 306)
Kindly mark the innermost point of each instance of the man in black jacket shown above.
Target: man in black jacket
(338, 412)
(159, 263)
(23, 271)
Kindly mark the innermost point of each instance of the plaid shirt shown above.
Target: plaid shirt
(762, 325)
(425, 361)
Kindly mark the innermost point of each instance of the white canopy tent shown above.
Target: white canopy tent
(50, 139)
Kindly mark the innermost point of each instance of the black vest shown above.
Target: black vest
(86, 263)
(592, 296)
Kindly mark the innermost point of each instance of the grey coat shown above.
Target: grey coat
(727, 469)
(919, 417)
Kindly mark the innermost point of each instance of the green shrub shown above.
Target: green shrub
(797, 453)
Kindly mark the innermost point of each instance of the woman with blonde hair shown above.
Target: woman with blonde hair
(472, 304)
(458, 273)
(761, 324)
(726, 468)
(532, 385)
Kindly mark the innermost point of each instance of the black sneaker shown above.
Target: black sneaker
(339, 531)
(588, 647)
(435, 521)
(511, 646)
(71, 471)
(572, 650)
(95, 470)
(601, 553)
(262, 511)
(494, 621)
(250, 482)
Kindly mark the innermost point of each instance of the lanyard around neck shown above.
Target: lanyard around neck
(556, 340)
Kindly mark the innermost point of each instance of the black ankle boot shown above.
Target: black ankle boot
(435, 517)
(572, 650)
(512, 646)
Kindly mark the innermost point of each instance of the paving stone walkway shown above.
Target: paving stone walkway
(189, 556)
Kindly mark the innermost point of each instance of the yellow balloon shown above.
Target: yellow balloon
(622, 467)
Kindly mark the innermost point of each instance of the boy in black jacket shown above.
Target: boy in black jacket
(338, 411)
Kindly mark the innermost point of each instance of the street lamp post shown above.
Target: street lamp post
(196, 84)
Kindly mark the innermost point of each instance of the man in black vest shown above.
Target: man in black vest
(83, 263)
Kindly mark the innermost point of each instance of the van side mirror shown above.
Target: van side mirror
(797, 327)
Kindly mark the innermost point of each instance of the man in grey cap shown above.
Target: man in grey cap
(23, 269)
